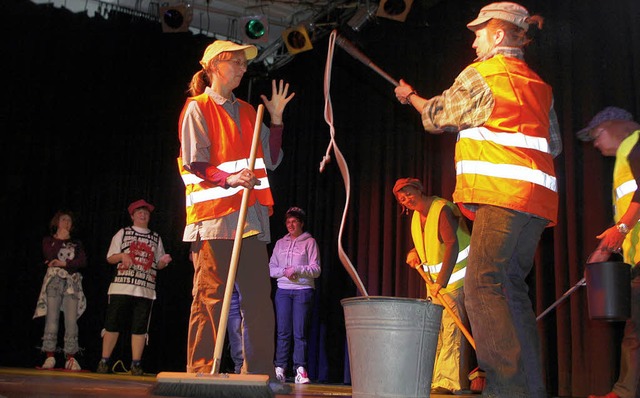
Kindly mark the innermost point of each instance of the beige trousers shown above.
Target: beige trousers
(211, 261)
(451, 366)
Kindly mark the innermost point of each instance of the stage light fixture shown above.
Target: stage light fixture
(297, 39)
(175, 18)
(394, 9)
(362, 16)
(255, 29)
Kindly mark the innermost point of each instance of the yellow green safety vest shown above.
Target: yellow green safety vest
(431, 250)
(624, 187)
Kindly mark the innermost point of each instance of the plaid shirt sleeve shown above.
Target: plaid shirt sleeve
(555, 139)
(467, 103)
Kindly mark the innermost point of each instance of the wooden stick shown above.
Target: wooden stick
(446, 306)
(237, 246)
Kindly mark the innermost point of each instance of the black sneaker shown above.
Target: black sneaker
(136, 370)
(103, 367)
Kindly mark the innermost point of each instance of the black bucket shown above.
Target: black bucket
(608, 290)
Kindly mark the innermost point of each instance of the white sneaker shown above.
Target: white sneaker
(49, 363)
(72, 364)
(280, 374)
(301, 376)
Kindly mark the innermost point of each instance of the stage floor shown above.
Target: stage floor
(31, 383)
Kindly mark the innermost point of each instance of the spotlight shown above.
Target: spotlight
(297, 39)
(255, 29)
(362, 16)
(394, 9)
(175, 18)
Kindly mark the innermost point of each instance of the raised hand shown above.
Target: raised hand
(278, 101)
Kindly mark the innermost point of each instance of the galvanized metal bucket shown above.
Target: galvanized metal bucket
(392, 345)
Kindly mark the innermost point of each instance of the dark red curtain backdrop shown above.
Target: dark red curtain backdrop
(88, 121)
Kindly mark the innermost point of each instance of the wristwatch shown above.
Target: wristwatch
(622, 228)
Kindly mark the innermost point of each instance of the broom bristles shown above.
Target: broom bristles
(212, 385)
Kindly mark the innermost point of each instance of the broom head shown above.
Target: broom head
(219, 385)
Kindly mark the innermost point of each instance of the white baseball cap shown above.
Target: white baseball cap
(218, 46)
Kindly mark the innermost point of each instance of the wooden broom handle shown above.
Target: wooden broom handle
(446, 306)
(237, 246)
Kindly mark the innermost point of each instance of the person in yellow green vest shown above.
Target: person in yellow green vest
(614, 133)
(441, 246)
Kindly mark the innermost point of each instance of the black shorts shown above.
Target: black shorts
(123, 309)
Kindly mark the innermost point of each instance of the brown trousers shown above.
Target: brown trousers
(211, 261)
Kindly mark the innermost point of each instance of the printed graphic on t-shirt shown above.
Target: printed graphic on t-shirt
(67, 251)
(141, 249)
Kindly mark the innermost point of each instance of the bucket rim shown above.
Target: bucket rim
(359, 299)
(608, 263)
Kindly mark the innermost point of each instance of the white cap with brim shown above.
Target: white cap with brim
(506, 11)
(219, 46)
(605, 115)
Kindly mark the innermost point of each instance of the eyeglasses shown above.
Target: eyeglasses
(237, 62)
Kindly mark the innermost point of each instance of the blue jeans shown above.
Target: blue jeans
(503, 245)
(234, 331)
(293, 311)
(59, 299)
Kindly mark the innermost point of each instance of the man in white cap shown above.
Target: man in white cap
(614, 133)
(215, 131)
(508, 135)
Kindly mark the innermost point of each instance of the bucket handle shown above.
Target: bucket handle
(597, 255)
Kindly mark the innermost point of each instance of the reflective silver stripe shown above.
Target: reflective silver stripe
(228, 167)
(509, 171)
(219, 192)
(190, 179)
(518, 140)
(434, 269)
(455, 276)
(625, 188)
(237, 165)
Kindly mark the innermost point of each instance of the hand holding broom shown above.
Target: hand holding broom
(447, 308)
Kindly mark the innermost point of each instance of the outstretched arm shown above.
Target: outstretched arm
(408, 96)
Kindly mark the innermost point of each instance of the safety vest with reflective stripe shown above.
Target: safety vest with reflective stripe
(624, 187)
(507, 161)
(231, 147)
(431, 250)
